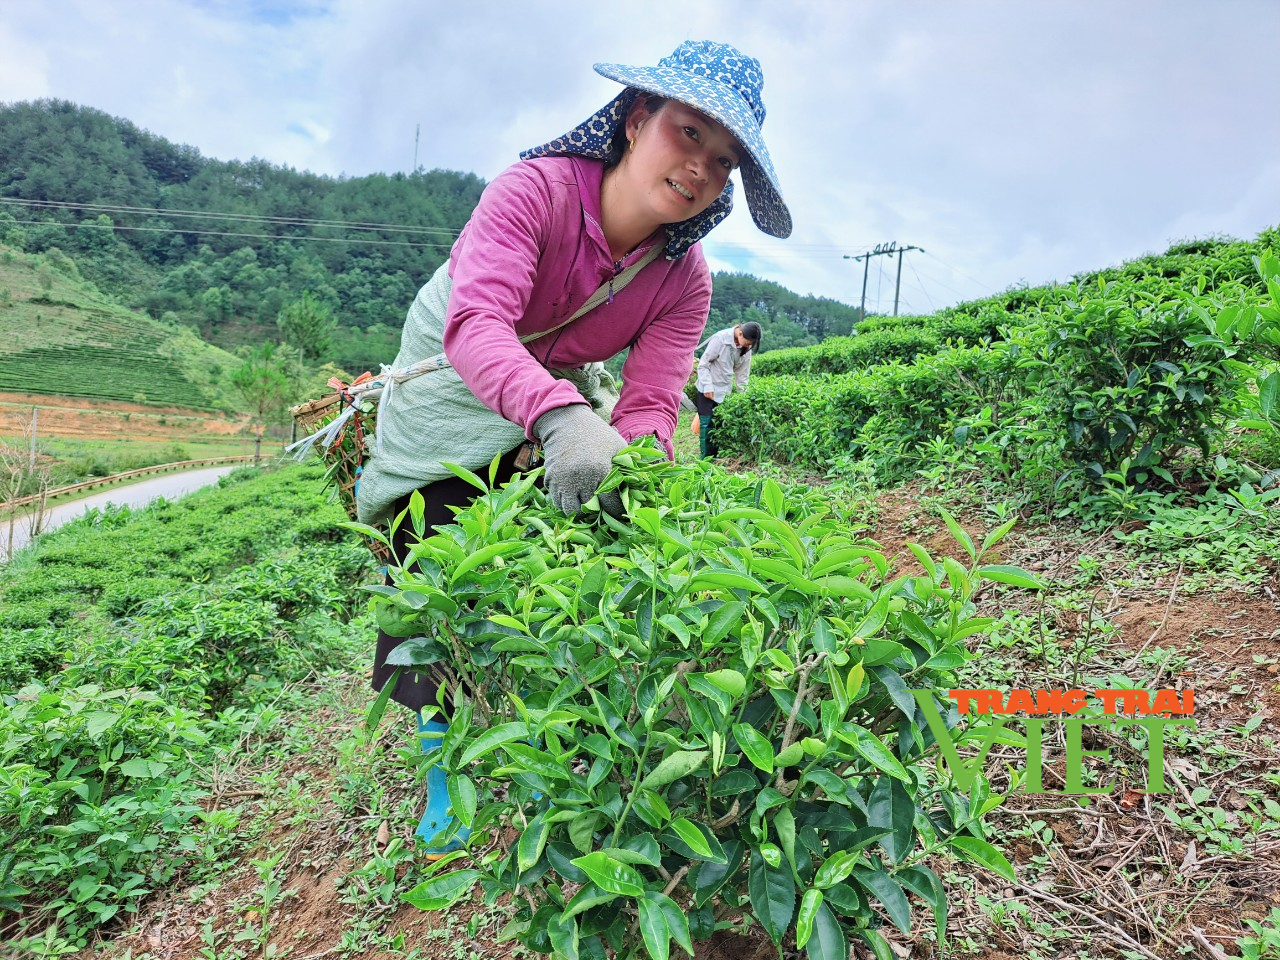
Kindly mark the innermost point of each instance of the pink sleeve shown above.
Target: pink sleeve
(658, 366)
(494, 265)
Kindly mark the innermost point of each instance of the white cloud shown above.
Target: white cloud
(23, 69)
(1013, 141)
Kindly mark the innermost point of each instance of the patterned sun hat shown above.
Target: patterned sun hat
(721, 82)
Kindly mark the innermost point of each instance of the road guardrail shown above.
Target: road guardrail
(141, 472)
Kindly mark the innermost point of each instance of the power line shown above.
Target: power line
(789, 251)
(967, 276)
(229, 233)
(211, 215)
(946, 286)
(922, 289)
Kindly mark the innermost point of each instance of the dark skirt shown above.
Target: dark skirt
(417, 689)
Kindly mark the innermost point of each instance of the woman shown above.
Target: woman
(636, 185)
(725, 361)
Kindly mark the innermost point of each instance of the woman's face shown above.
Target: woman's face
(680, 159)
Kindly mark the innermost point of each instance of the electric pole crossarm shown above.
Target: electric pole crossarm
(881, 250)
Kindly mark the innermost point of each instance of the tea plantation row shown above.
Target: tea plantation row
(125, 638)
(1120, 381)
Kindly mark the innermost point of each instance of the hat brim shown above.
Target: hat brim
(725, 105)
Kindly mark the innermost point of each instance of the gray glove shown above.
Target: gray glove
(578, 448)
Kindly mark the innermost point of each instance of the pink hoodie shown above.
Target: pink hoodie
(530, 256)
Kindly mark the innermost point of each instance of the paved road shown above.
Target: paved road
(170, 486)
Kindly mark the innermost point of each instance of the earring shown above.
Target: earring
(631, 144)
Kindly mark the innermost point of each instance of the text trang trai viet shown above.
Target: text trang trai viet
(1151, 712)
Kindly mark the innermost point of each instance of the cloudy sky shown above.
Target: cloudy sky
(1015, 141)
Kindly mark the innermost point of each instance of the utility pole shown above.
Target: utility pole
(881, 249)
(417, 130)
(866, 258)
(898, 284)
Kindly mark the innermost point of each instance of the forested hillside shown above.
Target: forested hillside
(788, 319)
(223, 245)
(220, 244)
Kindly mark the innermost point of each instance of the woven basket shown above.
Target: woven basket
(314, 414)
(345, 455)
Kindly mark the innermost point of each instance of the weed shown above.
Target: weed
(1264, 941)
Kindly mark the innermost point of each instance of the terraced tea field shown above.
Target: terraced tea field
(58, 337)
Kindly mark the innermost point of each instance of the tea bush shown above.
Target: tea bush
(1218, 260)
(904, 405)
(98, 791)
(1128, 389)
(108, 563)
(849, 354)
(962, 324)
(694, 720)
(1102, 394)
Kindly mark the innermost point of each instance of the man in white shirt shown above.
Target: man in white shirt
(725, 362)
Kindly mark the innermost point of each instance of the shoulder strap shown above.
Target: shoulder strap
(380, 388)
(608, 290)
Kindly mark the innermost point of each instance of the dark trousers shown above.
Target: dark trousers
(419, 688)
(706, 408)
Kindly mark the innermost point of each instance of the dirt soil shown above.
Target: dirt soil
(1226, 645)
(107, 420)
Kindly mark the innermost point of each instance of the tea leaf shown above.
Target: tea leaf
(891, 807)
(673, 767)
(827, 941)
(773, 897)
(532, 841)
(888, 893)
(491, 739)
(462, 797)
(440, 893)
(981, 852)
(755, 746)
(875, 752)
(610, 875)
(1014, 576)
(809, 905)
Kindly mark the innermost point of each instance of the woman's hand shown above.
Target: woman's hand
(709, 395)
(578, 448)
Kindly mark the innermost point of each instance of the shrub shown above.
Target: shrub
(1105, 390)
(89, 768)
(29, 646)
(1129, 389)
(120, 558)
(695, 720)
(911, 404)
(96, 757)
(850, 354)
(126, 598)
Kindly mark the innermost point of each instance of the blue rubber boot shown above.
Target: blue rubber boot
(437, 818)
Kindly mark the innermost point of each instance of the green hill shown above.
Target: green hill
(221, 246)
(60, 336)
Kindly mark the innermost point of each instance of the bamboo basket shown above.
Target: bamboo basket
(345, 454)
